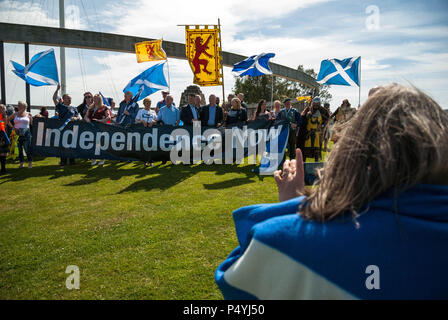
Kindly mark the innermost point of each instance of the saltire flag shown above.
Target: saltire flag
(202, 50)
(275, 151)
(149, 81)
(340, 72)
(150, 51)
(106, 101)
(253, 66)
(131, 103)
(41, 71)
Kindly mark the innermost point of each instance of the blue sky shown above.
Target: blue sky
(408, 45)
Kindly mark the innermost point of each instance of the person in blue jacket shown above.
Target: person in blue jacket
(127, 112)
(373, 226)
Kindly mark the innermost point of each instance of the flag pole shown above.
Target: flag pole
(272, 92)
(222, 67)
(168, 67)
(359, 101)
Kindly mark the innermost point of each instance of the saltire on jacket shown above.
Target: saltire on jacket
(283, 256)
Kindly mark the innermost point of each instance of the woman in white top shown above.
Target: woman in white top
(146, 116)
(22, 120)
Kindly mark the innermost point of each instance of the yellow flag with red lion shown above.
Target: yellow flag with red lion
(150, 51)
(202, 50)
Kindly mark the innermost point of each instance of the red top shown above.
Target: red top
(98, 114)
(2, 123)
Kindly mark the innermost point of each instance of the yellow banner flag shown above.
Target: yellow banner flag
(150, 51)
(202, 51)
(306, 98)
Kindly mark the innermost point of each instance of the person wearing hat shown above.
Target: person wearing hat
(162, 102)
(295, 120)
(313, 117)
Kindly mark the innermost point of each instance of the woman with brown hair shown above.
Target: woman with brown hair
(373, 226)
(262, 111)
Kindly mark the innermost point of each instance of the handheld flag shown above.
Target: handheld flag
(150, 51)
(105, 100)
(340, 72)
(41, 71)
(275, 150)
(253, 66)
(131, 103)
(202, 51)
(149, 81)
(306, 98)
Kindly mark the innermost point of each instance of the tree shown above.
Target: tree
(256, 88)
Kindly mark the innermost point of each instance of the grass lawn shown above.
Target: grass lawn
(134, 232)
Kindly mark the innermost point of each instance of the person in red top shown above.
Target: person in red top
(44, 112)
(4, 147)
(97, 112)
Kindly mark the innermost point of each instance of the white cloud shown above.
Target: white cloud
(160, 19)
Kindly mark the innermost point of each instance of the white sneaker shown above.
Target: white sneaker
(93, 162)
(101, 163)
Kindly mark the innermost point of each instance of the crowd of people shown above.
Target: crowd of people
(308, 129)
(384, 188)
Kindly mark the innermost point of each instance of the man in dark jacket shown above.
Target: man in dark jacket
(189, 112)
(211, 115)
(294, 118)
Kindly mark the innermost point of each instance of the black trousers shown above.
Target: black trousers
(292, 143)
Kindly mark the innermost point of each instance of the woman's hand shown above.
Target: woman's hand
(291, 180)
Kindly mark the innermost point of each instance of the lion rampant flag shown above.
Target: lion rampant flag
(150, 51)
(202, 50)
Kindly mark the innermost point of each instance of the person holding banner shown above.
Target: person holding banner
(211, 115)
(189, 112)
(169, 114)
(84, 106)
(146, 116)
(262, 111)
(295, 120)
(97, 112)
(64, 111)
(237, 114)
(22, 124)
(128, 110)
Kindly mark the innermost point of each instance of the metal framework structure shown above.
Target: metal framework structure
(70, 38)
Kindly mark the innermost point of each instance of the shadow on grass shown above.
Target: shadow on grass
(161, 176)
